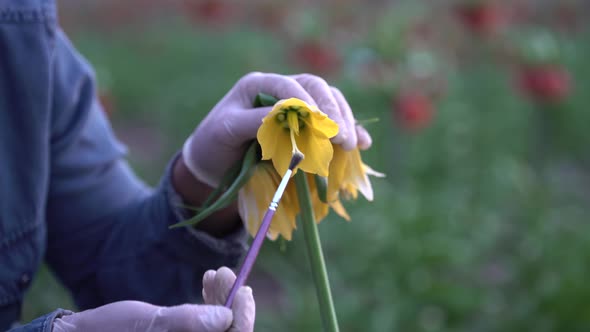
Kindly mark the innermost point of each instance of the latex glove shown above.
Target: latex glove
(216, 288)
(220, 139)
(134, 316)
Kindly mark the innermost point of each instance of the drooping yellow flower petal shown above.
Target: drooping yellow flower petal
(338, 172)
(339, 209)
(348, 175)
(292, 121)
(256, 195)
(320, 123)
(318, 153)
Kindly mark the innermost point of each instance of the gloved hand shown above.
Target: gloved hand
(134, 316)
(220, 139)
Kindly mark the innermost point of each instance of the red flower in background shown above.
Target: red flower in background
(548, 83)
(482, 18)
(207, 11)
(271, 15)
(413, 110)
(317, 57)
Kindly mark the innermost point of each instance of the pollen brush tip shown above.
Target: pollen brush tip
(296, 159)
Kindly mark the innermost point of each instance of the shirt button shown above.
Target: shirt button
(25, 280)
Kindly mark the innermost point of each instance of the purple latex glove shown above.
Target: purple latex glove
(134, 316)
(220, 139)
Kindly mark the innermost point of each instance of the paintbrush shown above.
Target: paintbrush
(248, 263)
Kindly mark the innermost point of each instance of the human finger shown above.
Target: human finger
(208, 284)
(245, 124)
(364, 138)
(190, 317)
(349, 121)
(276, 85)
(244, 310)
(217, 288)
(322, 94)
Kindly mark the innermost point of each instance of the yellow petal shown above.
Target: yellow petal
(359, 174)
(348, 191)
(339, 209)
(281, 161)
(252, 197)
(313, 139)
(284, 221)
(275, 143)
(248, 210)
(356, 175)
(369, 171)
(338, 167)
(272, 136)
(321, 123)
(318, 153)
(256, 195)
(348, 174)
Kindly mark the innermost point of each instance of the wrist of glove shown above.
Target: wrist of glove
(222, 137)
(135, 316)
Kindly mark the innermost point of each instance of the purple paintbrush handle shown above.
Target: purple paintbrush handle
(250, 256)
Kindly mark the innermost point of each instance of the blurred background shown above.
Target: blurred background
(483, 223)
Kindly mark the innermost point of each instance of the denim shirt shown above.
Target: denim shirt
(68, 197)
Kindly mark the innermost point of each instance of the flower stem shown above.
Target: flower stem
(316, 257)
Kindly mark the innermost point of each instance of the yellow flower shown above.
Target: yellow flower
(294, 125)
(255, 196)
(348, 176)
(291, 126)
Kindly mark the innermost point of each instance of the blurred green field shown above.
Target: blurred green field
(483, 222)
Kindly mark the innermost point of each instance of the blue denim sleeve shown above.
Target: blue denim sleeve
(108, 235)
(41, 324)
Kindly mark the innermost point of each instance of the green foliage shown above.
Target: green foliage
(232, 182)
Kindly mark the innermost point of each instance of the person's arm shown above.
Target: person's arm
(108, 236)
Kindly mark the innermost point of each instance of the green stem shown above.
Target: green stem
(316, 257)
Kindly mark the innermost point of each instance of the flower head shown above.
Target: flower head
(255, 195)
(293, 125)
(253, 199)
(348, 174)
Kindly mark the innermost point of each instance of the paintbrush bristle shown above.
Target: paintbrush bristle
(296, 159)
